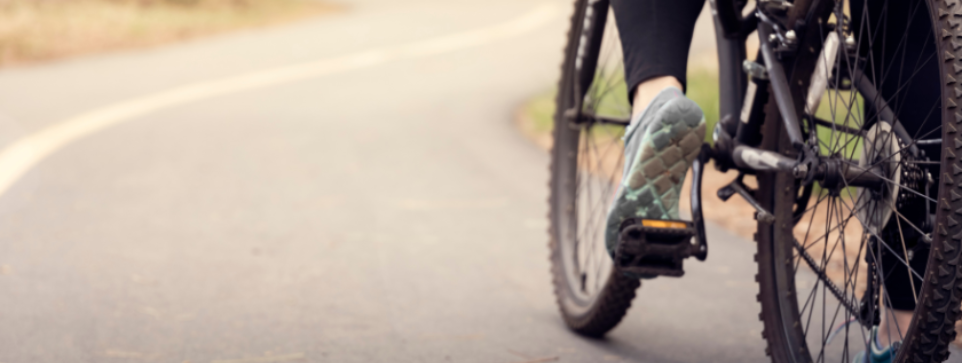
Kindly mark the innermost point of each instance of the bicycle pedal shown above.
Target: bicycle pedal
(649, 247)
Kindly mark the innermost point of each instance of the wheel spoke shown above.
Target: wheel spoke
(590, 153)
(847, 224)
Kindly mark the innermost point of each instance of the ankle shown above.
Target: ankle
(647, 90)
(892, 328)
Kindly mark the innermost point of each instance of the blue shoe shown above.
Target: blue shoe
(878, 355)
(659, 148)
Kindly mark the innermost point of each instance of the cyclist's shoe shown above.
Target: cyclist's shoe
(659, 148)
(877, 354)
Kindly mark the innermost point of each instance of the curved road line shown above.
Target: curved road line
(21, 156)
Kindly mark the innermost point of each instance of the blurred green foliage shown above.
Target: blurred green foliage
(702, 88)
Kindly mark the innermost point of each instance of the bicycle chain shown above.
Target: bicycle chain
(828, 283)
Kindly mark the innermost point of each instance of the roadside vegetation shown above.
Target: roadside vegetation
(38, 30)
(702, 88)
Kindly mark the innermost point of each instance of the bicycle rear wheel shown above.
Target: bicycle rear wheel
(586, 166)
(834, 263)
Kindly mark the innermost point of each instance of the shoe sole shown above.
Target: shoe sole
(653, 184)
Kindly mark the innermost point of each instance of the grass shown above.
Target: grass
(537, 115)
(540, 111)
(702, 88)
(835, 107)
(38, 30)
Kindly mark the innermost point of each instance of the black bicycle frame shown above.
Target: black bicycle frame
(740, 119)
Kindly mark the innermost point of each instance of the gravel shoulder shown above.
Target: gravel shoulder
(41, 30)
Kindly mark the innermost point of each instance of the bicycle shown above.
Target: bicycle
(808, 119)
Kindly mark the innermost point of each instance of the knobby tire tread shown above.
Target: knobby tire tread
(619, 291)
(933, 326)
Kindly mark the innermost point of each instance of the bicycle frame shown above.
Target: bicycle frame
(744, 89)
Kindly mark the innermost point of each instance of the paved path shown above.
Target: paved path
(307, 221)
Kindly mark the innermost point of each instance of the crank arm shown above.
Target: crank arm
(828, 171)
(747, 157)
(736, 186)
(697, 219)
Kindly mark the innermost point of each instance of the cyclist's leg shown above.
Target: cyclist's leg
(646, 91)
(898, 309)
(916, 101)
(666, 128)
(655, 36)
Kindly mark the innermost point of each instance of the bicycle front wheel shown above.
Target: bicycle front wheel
(586, 162)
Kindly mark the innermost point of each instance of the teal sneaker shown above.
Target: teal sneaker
(659, 148)
(878, 355)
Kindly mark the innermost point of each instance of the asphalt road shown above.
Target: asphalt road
(387, 213)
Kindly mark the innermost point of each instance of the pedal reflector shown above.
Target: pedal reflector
(656, 223)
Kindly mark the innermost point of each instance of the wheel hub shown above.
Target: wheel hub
(880, 151)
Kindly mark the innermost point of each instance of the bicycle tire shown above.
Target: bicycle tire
(601, 310)
(938, 300)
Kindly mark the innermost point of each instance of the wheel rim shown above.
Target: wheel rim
(594, 170)
(820, 265)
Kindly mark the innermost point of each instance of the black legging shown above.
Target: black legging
(917, 106)
(656, 36)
